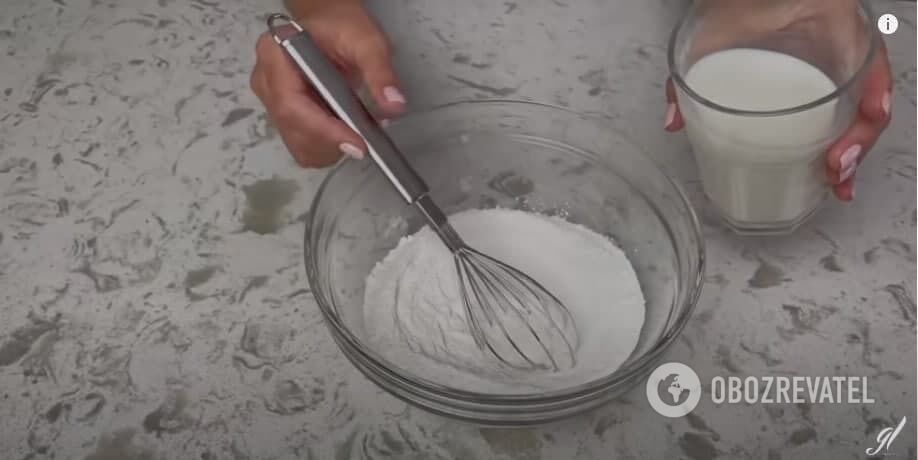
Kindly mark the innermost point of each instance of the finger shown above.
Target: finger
(307, 153)
(373, 62)
(259, 83)
(849, 150)
(876, 97)
(845, 190)
(283, 74)
(673, 120)
(298, 113)
(292, 105)
(845, 156)
(873, 117)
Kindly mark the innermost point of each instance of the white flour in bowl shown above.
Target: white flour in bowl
(414, 316)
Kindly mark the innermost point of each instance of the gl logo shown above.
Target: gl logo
(885, 438)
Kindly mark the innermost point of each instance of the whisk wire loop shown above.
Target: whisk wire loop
(486, 289)
(511, 316)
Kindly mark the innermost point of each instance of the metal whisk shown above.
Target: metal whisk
(509, 314)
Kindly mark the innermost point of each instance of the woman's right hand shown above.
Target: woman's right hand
(352, 41)
(841, 21)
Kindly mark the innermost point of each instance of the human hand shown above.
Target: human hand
(355, 44)
(873, 116)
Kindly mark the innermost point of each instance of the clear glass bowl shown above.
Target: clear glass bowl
(512, 155)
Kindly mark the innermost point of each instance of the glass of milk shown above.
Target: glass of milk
(763, 96)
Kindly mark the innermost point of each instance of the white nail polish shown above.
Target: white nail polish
(670, 115)
(351, 150)
(392, 94)
(849, 158)
(847, 173)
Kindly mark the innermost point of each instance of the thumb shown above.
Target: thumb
(375, 67)
(673, 120)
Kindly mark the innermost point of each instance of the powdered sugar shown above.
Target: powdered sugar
(414, 316)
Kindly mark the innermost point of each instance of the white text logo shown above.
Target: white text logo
(790, 390)
(885, 439)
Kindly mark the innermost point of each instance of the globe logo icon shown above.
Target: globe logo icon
(673, 390)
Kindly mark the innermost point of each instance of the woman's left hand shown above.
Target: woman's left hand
(844, 156)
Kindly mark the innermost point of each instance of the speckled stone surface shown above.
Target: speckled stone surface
(154, 300)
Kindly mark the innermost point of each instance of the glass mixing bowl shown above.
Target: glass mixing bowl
(511, 155)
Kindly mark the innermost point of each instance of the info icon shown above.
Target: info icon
(673, 390)
(888, 24)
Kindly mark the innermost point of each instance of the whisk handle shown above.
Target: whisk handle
(342, 101)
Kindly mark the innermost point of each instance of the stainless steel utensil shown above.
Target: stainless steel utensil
(509, 314)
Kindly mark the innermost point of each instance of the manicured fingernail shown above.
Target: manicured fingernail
(392, 94)
(670, 115)
(849, 158)
(847, 173)
(887, 102)
(351, 150)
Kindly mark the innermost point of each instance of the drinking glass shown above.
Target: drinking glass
(758, 127)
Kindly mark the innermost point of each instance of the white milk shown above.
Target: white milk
(760, 171)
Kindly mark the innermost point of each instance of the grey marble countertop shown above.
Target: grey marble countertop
(151, 231)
